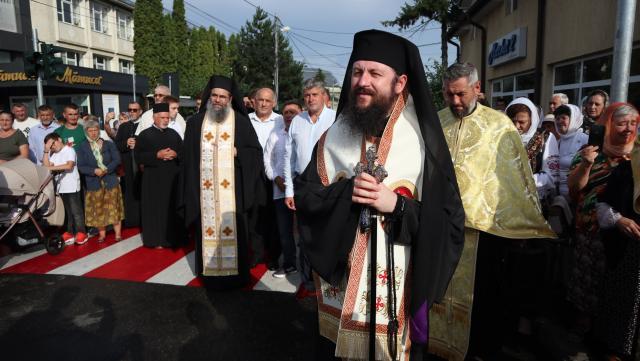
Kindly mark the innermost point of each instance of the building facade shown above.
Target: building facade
(536, 48)
(97, 38)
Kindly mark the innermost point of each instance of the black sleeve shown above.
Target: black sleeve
(405, 228)
(121, 138)
(328, 220)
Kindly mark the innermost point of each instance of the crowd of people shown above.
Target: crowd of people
(472, 201)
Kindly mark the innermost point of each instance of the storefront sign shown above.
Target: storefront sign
(17, 76)
(69, 77)
(509, 47)
(72, 77)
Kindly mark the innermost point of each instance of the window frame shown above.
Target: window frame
(105, 62)
(125, 25)
(129, 68)
(102, 11)
(73, 12)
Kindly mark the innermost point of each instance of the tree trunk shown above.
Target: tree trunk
(444, 45)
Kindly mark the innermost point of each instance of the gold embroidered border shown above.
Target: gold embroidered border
(217, 197)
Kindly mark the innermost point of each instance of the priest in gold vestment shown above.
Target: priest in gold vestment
(501, 205)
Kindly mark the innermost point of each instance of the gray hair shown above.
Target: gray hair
(624, 110)
(165, 89)
(461, 70)
(312, 83)
(564, 99)
(91, 124)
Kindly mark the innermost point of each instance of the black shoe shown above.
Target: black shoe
(272, 266)
(283, 272)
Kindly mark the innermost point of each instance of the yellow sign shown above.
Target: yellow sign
(72, 77)
(4, 76)
(69, 77)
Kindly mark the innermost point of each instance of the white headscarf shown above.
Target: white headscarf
(575, 124)
(535, 118)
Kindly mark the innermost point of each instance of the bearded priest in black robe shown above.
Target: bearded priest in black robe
(221, 182)
(386, 151)
(158, 151)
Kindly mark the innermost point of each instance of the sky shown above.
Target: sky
(320, 32)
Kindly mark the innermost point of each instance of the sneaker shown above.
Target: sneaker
(81, 238)
(68, 238)
(283, 272)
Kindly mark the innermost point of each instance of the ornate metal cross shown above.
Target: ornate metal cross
(375, 170)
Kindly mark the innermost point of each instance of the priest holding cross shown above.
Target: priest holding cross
(379, 209)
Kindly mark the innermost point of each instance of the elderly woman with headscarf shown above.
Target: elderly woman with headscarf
(568, 123)
(587, 181)
(618, 214)
(541, 146)
(97, 161)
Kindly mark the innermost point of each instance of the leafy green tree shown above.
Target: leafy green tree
(426, 11)
(148, 20)
(433, 73)
(180, 40)
(319, 76)
(169, 59)
(254, 68)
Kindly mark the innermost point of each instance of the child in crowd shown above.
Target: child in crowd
(60, 157)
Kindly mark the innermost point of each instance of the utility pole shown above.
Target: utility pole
(133, 77)
(36, 49)
(276, 30)
(622, 50)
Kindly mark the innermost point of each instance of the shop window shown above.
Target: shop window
(100, 63)
(526, 81)
(496, 86)
(99, 17)
(579, 78)
(567, 74)
(512, 87)
(597, 69)
(68, 11)
(126, 66)
(125, 26)
(507, 84)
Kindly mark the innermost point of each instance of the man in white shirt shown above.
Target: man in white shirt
(146, 119)
(264, 119)
(262, 228)
(274, 169)
(304, 132)
(38, 132)
(23, 121)
(175, 123)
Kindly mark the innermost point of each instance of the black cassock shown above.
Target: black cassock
(160, 224)
(130, 183)
(249, 192)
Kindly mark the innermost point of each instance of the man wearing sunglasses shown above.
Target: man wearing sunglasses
(126, 141)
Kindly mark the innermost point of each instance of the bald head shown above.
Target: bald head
(265, 101)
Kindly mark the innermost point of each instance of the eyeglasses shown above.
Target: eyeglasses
(134, 110)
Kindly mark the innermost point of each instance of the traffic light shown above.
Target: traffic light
(32, 63)
(51, 64)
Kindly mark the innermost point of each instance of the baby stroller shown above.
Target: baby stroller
(28, 203)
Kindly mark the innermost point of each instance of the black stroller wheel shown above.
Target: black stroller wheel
(54, 244)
